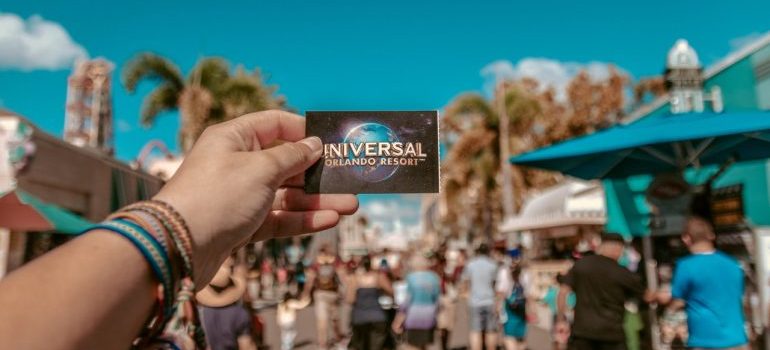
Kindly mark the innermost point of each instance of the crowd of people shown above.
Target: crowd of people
(409, 300)
(384, 300)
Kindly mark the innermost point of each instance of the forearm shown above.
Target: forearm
(561, 301)
(308, 286)
(93, 293)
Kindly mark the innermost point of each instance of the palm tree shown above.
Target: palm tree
(209, 95)
(472, 131)
(475, 134)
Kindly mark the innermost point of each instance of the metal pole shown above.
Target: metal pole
(760, 270)
(650, 268)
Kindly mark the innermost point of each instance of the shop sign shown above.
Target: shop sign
(727, 211)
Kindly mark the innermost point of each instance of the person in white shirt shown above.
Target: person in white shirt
(287, 318)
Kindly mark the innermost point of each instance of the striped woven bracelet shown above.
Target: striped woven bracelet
(156, 229)
(174, 225)
(150, 248)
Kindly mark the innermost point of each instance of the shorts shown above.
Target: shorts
(483, 319)
(419, 337)
(578, 343)
(371, 335)
(515, 327)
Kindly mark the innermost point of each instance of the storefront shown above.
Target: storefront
(556, 224)
(700, 148)
(50, 189)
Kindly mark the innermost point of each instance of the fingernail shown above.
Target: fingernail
(314, 143)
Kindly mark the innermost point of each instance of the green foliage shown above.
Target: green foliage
(151, 67)
(163, 99)
(471, 128)
(210, 94)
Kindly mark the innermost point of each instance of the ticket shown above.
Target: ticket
(374, 152)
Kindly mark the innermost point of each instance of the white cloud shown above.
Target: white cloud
(391, 209)
(550, 73)
(36, 43)
(736, 44)
(377, 209)
(398, 215)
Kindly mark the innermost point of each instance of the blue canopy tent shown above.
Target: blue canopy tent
(665, 143)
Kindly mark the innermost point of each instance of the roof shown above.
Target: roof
(573, 202)
(710, 72)
(91, 153)
(22, 211)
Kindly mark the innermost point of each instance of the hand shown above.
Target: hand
(398, 323)
(561, 332)
(562, 326)
(397, 329)
(234, 188)
(650, 296)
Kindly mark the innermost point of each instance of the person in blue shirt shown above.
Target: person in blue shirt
(417, 316)
(708, 284)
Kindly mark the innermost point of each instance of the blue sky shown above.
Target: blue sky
(358, 54)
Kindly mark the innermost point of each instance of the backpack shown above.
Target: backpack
(516, 302)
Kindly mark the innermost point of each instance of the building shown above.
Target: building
(739, 82)
(570, 212)
(88, 116)
(353, 236)
(566, 218)
(51, 189)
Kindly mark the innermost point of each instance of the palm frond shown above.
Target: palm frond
(195, 105)
(211, 73)
(468, 111)
(522, 109)
(244, 93)
(164, 98)
(151, 67)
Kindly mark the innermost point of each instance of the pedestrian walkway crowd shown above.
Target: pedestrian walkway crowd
(409, 299)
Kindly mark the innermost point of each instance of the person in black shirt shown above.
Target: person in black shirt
(602, 287)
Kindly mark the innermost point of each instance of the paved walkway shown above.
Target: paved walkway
(537, 339)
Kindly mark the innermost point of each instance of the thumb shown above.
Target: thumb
(289, 159)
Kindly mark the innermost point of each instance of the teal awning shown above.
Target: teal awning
(21, 211)
(658, 144)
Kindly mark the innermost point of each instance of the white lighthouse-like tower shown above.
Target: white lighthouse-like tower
(684, 79)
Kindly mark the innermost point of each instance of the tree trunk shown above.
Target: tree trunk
(505, 154)
(194, 110)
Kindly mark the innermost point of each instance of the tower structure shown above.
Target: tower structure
(684, 81)
(88, 115)
(684, 78)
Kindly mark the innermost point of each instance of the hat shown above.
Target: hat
(225, 288)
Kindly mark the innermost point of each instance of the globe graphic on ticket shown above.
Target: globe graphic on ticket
(371, 132)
